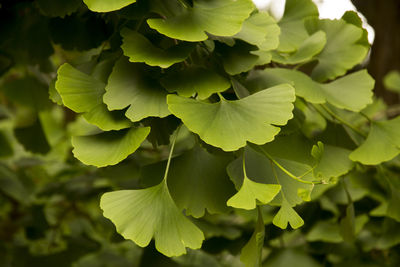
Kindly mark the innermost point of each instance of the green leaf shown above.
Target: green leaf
(193, 80)
(291, 257)
(152, 212)
(230, 124)
(246, 198)
(260, 29)
(342, 51)
(352, 92)
(198, 181)
(382, 143)
(311, 46)
(287, 214)
(108, 148)
(325, 231)
(83, 94)
(347, 224)
(129, 86)
(58, 8)
(251, 254)
(241, 58)
(218, 17)
(107, 6)
(139, 49)
(6, 146)
(293, 31)
(392, 81)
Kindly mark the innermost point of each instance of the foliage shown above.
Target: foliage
(226, 136)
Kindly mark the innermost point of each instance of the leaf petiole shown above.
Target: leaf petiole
(171, 151)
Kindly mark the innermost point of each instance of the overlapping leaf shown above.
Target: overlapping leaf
(130, 87)
(293, 31)
(218, 17)
(342, 51)
(382, 143)
(108, 148)
(260, 29)
(193, 80)
(198, 181)
(83, 94)
(142, 214)
(107, 6)
(352, 92)
(230, 124)
(139, 49)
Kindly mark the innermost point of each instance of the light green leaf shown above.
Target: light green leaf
(325, 231)
(251, 254)
(83, 94)
(334, 162)
(342, 51)
(193, 80)
(260, 29)
(246, 198)
(140, 215)
(230, 124)
(306, 51)
(107, 5)
(129, 86)
(352, 92)
(293, 31)
(218, 17)
(287, 214)
(139, 49)
(108, 148)
(392, 81)
(198, 181)
(382, 143)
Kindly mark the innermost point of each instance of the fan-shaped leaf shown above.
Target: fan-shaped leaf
(246, 198)
(129, 86)
(293, 31)
(107, 5)
(382, 143)
(218, 17)
(287, 214)
(193, 80)
(229, 124)
(83, 94)
(392, 81)
(108, 148)
(342, 51)
(139, 49)
(142, 214)
(260, 29)
(352, 92)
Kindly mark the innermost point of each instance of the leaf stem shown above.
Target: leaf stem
(221, 97)
(336, 117)
(171, 151)
(291, 175)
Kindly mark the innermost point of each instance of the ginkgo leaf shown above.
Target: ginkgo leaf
(83, 94)
(342, 51)
(311, 46)
(129, 87)
(218, 17)
(107, 6)
(193, 80)
(230, 124)
(352, 92)
(260, 29)
(246, 198)
(293, 31)
(139, 49)
(392, 81)
(382, 143)
(140, 215)
(240, 59)
(251, 254)
(108, 148)
(287, 214)
(198, 181)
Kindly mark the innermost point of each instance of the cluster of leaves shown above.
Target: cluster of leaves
(214, 123)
